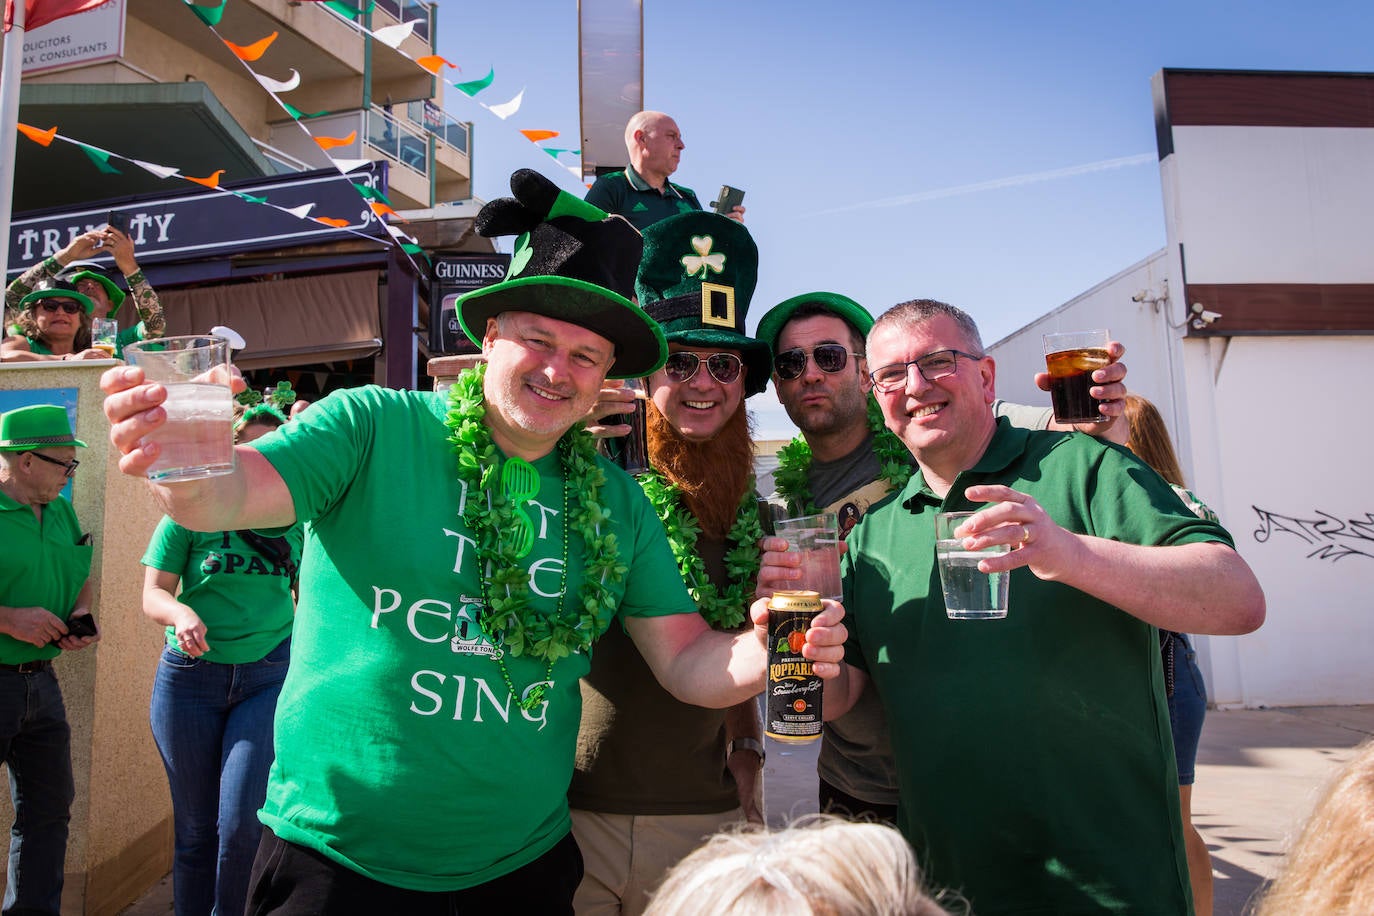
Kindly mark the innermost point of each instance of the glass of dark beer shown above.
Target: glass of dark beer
(634, 448)
(1071, 358)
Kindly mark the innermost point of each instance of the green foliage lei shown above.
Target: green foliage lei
(794, 461)
(506, 617)
(722, 610)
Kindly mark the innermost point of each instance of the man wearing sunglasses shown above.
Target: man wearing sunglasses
(1034, 752)
(465, 552)
(45, 584)
(845, 461)
(655, 775)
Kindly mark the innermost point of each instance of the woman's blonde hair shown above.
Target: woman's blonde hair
(822, 866)
(1330, 869)
(1149, 439)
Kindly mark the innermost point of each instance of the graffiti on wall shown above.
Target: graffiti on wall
(1326, 536)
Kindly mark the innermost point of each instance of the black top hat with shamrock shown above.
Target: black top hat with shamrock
(696, 278)
(573, 262)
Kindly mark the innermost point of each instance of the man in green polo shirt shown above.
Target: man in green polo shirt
(463, 553)
(641, 192)
(1034, 754)
(45, 569)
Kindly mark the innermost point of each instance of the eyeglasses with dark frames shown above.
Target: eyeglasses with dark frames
(791, 364)
(932, 366)
(69, 466)
(682, 366)
(52, 305)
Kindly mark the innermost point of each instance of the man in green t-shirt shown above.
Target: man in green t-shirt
(45, 588)
(1033, 752)
(463, 552)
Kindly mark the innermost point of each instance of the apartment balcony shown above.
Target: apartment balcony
(431, 162)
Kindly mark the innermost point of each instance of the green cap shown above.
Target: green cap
(771, 324)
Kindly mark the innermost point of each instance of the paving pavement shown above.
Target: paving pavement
(1259, 773)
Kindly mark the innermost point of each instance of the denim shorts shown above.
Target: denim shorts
(1187, 707)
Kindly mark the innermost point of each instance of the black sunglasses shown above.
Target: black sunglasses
(66, 305)
(790, 364)
(683, 365)
(70, 466)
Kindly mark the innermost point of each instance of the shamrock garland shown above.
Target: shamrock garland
(794, 461)
(506, 617)
(722, 610)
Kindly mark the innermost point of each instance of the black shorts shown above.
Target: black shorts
(291, 880)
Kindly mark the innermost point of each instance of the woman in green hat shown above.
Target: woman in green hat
(54, 323)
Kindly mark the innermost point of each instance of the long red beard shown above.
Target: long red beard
(712, 475)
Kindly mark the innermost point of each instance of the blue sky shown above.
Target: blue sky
(997, 155)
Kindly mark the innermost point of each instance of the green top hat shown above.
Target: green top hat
(855, 315)
(57, 288)
(77, 271)
(573, 262)
(39, 426)
(696, 279)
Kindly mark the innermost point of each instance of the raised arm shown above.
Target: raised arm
(1192, 588)
(253, 496)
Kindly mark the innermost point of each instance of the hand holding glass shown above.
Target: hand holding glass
(197, 440)
(817, 539)
(1071, 359)
(969, 593)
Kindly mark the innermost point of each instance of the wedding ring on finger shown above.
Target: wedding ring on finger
(1025, 536)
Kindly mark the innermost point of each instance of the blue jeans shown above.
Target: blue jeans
(213, 727)
(36, 744)
(1187, 707)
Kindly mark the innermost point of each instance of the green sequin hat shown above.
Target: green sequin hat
(56, 288)
(855, 315)
(77, 271)
(573, 262)
(696, 279)
(39, 426)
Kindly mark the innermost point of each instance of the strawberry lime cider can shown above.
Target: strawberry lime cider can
(794, 691)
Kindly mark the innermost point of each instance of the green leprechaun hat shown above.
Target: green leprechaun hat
(77, 271)
(573, 262)
(696, 279)
(853, 314)
(39, 426)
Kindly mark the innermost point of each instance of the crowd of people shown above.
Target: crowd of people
(434, 652)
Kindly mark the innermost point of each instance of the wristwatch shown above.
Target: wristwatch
(745, 744)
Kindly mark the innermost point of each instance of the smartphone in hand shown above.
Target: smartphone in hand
(118, 219)
(727, 199)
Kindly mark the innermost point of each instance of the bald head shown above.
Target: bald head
(655, 144)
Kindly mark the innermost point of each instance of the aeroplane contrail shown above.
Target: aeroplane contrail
(1008, 182)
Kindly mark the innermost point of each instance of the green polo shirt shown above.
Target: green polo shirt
(42, 565)
(1034, 753)
(626, 193)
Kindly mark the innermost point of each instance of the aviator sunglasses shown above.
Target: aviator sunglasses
(52, 305)
(790, 364)
(683, 365)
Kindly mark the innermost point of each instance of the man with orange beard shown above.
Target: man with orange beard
(655, 776)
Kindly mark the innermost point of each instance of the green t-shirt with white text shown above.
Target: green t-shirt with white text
(401, 752)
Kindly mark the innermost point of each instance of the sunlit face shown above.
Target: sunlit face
(45, 480)
(543, 375)
(700, 407)
(939, 420)
(95, 292)
(59, 326)
(821, 402)
(662, 146)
